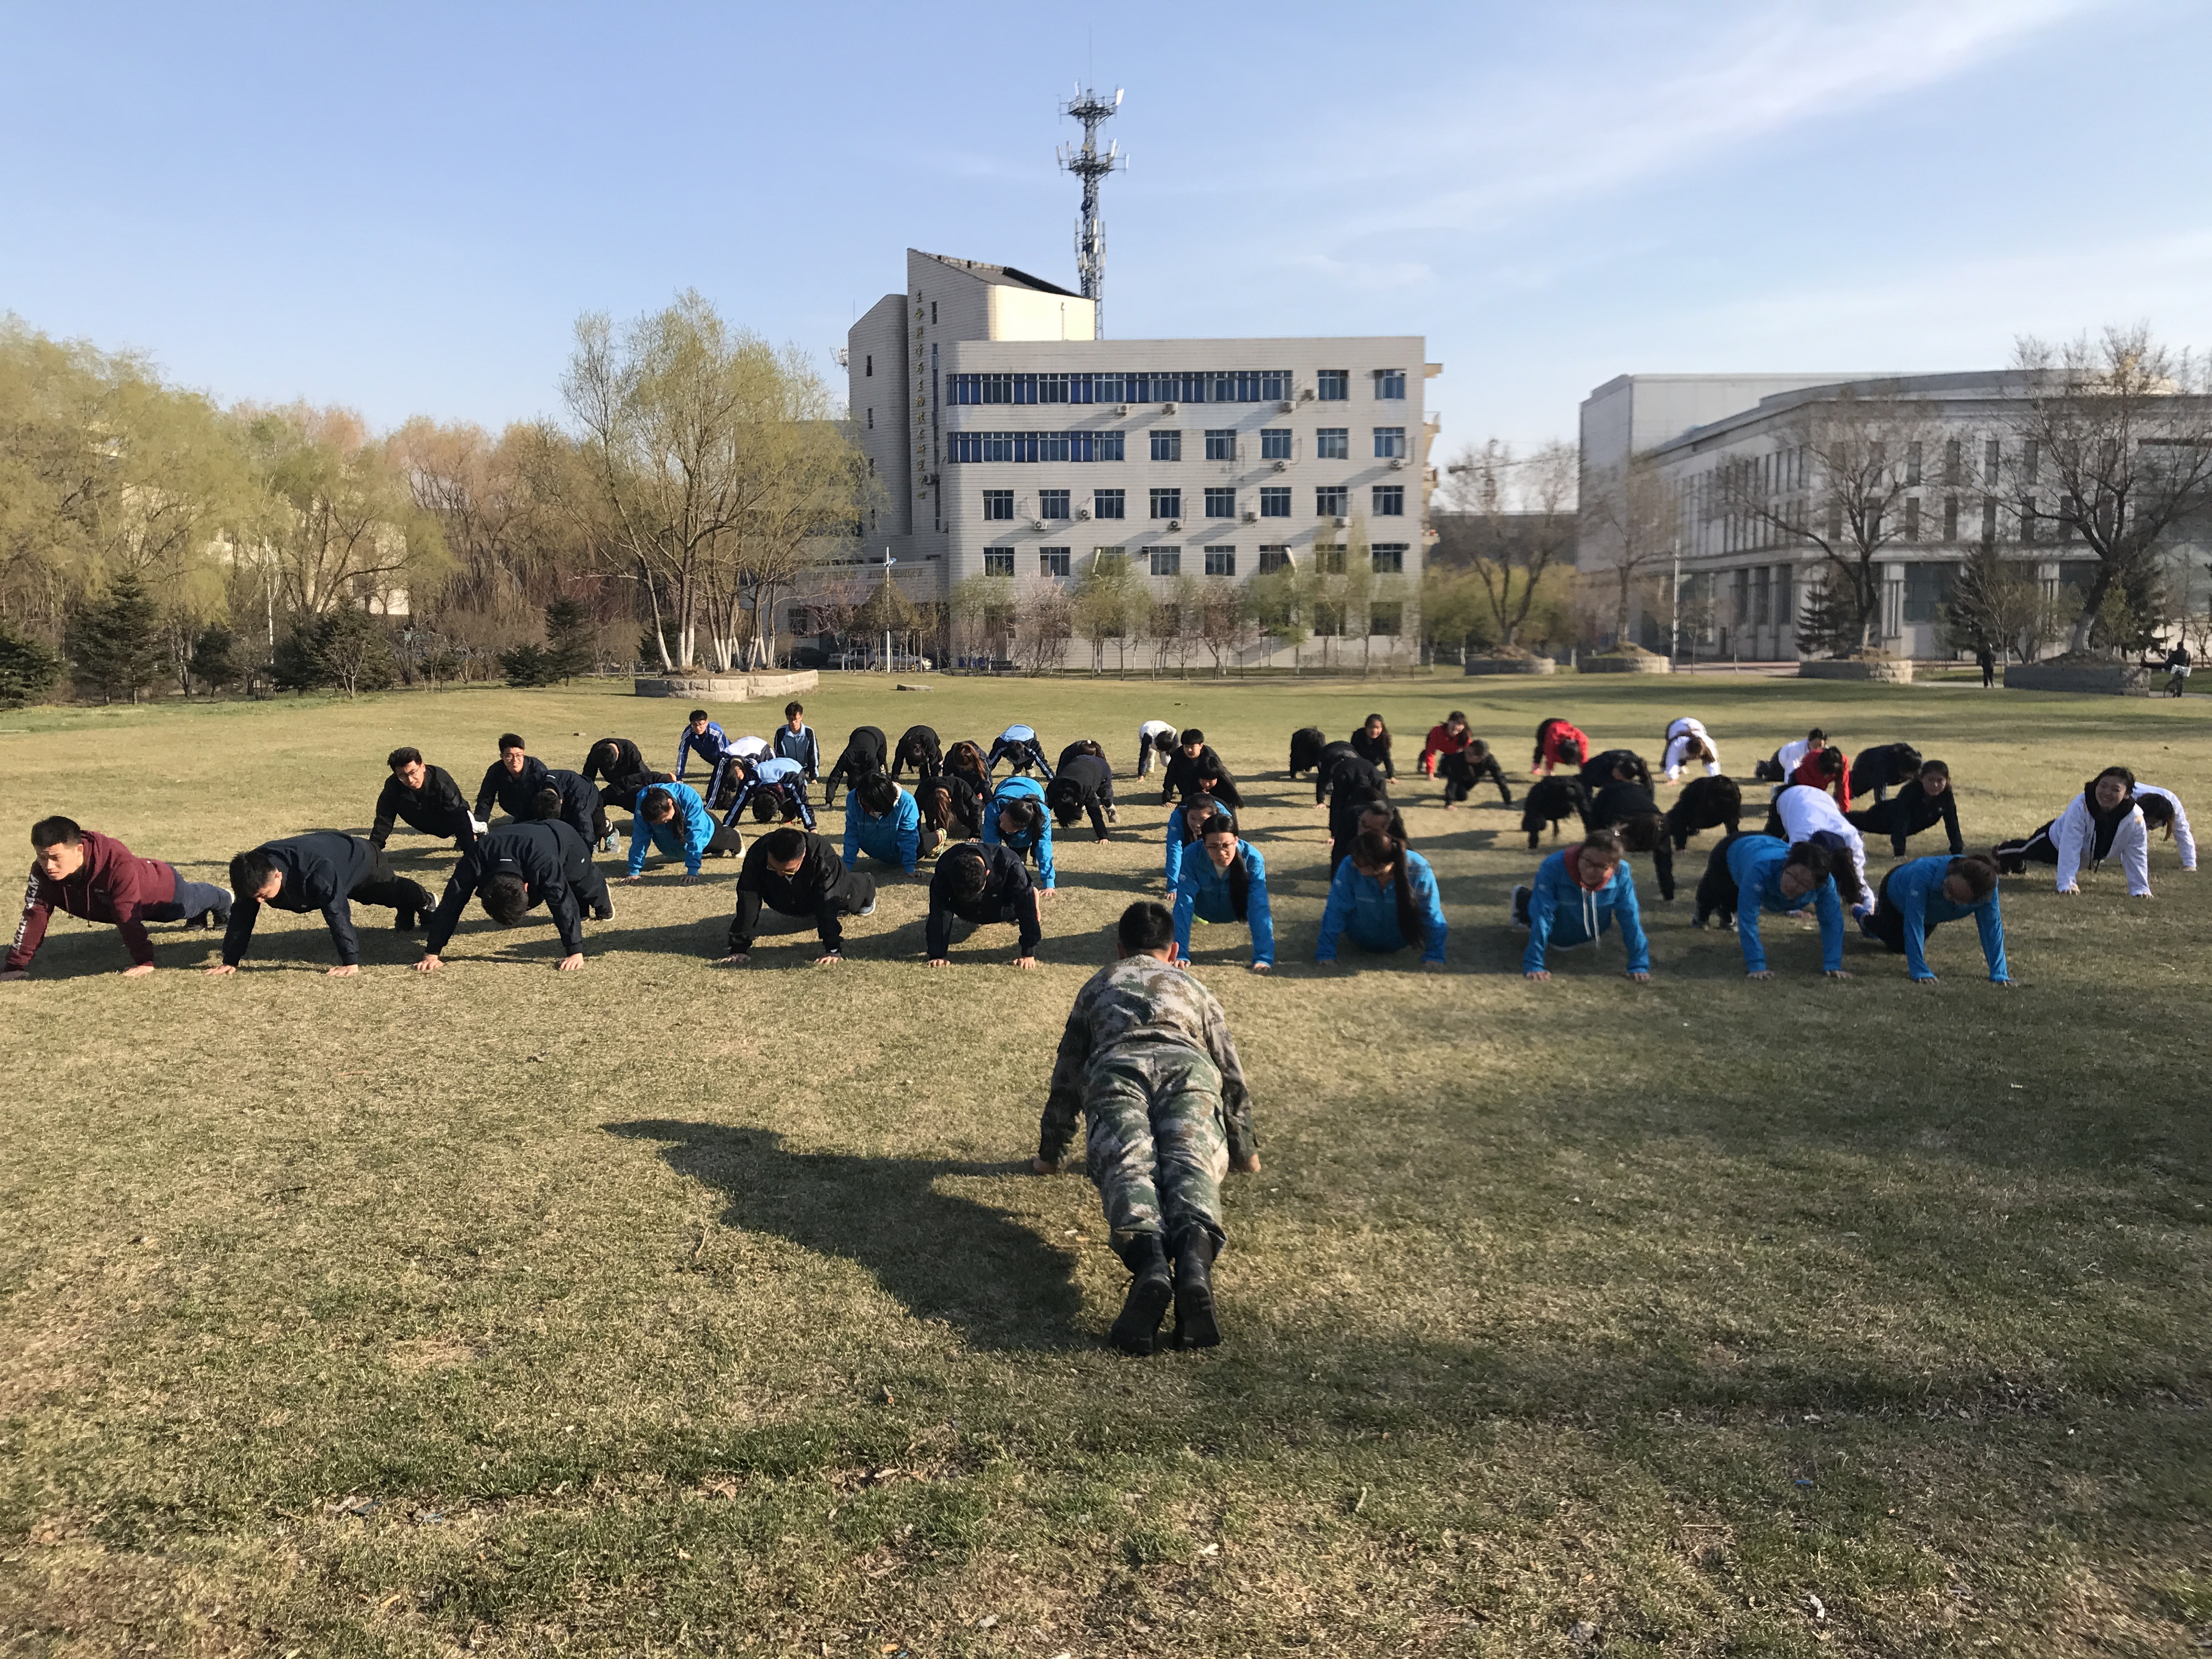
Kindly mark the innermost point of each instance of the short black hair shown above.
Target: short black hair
(57, 831)
(1456, 716)
(249, 871)
(877, 794)
(1978, 871)
(545, 803)
(1144, 926)
(1642, 833)
(1813, 856)
(656, 805)
(791, 708)
(1065, 799)
(1816, 735)
(1476, 748)
(506, 898)
(607, 751)
(2157, 810)
(1194, 735)
(1570, 752)
(507, 740)
(399, 758)
(970, 870)
(1219, 824)
(783, 844)
(697, 714)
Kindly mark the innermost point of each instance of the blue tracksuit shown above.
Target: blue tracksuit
(711, 745)
(800, 746)
(1178, 841)
(1019, 745)
(1206, 892)
(687, 833)
(1563, 912)
(784, 779)
(1367, 911)
(1914, 891)
(1038, 846)
(1755, 862)
(894, 838)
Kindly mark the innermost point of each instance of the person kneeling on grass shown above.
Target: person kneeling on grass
(1226, 881)
(426, 800)
(1577, 894)
(1383, 896)
(775, 786)
(1083, 783)
(1916, 895)
(1467, 767)
(798, 874)
(884, 822)
(672, 818)
(325, 870)
(1148, 1061)
(1021, 747)
(983, 886)
(95, 877)
(1016, 818)
(513, 870)
(1750, 873)
(1921, 803)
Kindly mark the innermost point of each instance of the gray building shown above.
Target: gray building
(1006, 441)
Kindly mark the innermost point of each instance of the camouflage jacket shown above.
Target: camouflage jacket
(1141, 1008)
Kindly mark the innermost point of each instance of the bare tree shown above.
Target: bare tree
(1521, 511)
(1044, 626)
(2118, 433)
(1633, 517)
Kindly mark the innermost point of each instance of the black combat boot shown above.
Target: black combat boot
(1195, 1326)
(1138, 1327)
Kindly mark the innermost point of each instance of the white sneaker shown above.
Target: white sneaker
(870, 910)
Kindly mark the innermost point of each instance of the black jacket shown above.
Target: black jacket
(1909, 812)
(1344, 771)
(1180, 773)
(554, 864)
(1082, 783)
(436, 808)
(1373, 751)
(1008, 895)
(1550, 799)
(580, 802)
(1597, 771)
(818, 888)
(515, 791)
(1704, 804)
(967, 801)
(1624, 803)
(630, 773)
(1307, 744)
(863, 756)
(320, 869)
(918, 748)
(1463, 772)
(1884, 766)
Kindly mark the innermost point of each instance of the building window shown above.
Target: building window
(872, 365)
(871, 420)
(998, 504)
(1783, 617)
(1912, 465)
(1053, 561)
(1052, 504)
(2031, 461)
(1052, 388)
(1220, 445)
(1389, 560)
(1167, 446)
(1992, 452)
(1328, 619)
(1274, 558)
(1109, 504)
(1927, 588)
(1330, 502)
(1390, 501)
(1167, 562)
(1333, 386)
(1327, 559)
(1385, 618)
(1333, 443)
(1221, 503)
(1988, 521)
(933, 314)
(1275, 444)
(1166, 503)
(1390, 383)
(1743, 597)
(1951, 462)
(1762, 589)
(1220, 560)
(1912, 518)
(998, 561)
(1389, 443)
(1950, 518)
(1275, 503)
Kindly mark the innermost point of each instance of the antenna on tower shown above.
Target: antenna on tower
(1090, 164)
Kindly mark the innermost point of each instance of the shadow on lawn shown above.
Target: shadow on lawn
(942, 1256)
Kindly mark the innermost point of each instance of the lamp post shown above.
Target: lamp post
(1674, 611)
(888, 563)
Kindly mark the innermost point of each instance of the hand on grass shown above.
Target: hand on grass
(138, 970)
(1837, 973)
(1245, 1165)
(16, 973)
(1261, 967)
(1538, 973)
(569, 964)
(221, 968)
(632, 881)
(1760, 973)
(938, 961)
(429, 964)
(828, 958)
(343, 970)
(1432, 967)
(1044, 1166)
(2069, 892)
(736, 959)
(691, 878)
(1025, 962)
(1643, 978)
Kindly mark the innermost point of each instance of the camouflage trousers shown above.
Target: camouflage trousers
(1158, 1142)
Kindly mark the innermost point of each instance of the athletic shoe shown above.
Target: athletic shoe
(1113, 815)
(1866, 924)
(870, 910)
(603, 911)
(1517, 907)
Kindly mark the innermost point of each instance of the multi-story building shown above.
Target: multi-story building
(1006, 441)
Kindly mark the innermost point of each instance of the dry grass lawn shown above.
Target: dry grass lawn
(659, 1309)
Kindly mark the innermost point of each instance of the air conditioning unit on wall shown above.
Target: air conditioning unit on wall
(1039, 524)
(1397, 462)
(1288, 405)
(1250, 517)
(1082, 512)
(1282, 466)
(1167, 409)
(1174, 524)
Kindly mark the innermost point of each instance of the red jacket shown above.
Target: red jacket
(111, 885)
(1551, 735)
(1809, 771)
(1441, 742)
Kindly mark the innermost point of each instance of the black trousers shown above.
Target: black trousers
(1888, 921)
(2036, 846)
(1717, 893)
(456, 827)
(385, 886)
(1460, 776)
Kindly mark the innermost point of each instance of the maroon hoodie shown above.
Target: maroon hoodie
(111, 885)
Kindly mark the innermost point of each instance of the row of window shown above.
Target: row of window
(1331, 386)
(1330, 502)
(1388, 559)
(1331, 443)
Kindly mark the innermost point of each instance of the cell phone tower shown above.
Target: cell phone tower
(1090, 165)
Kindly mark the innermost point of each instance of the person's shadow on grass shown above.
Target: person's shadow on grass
(943, 1256)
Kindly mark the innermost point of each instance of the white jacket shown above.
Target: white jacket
(2182, 839)
(1678, 734)
(1804, 809)
(2074, 836)
(1789, 754)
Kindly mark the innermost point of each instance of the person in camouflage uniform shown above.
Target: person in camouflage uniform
(1148, 1060)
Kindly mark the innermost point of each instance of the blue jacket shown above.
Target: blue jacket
(781, 777)
(1040, 844)
(1756, 863)
(1207, 892)
(1562, 911)
(799, 746)
(691, 824)
(1368, 911)
(1915, 890)
(711, 745)
(895, 839)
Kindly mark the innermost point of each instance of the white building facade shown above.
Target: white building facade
(1008, 442)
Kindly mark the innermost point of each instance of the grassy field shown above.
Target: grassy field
(660, 1309)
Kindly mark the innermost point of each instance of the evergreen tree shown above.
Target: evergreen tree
(115, 644)
(214, 658)
(353, 652)
(297, 665)
(27, 669)
(529, 665)
(1830, 623)
(569, 638)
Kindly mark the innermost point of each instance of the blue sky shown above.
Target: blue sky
(404, 209)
